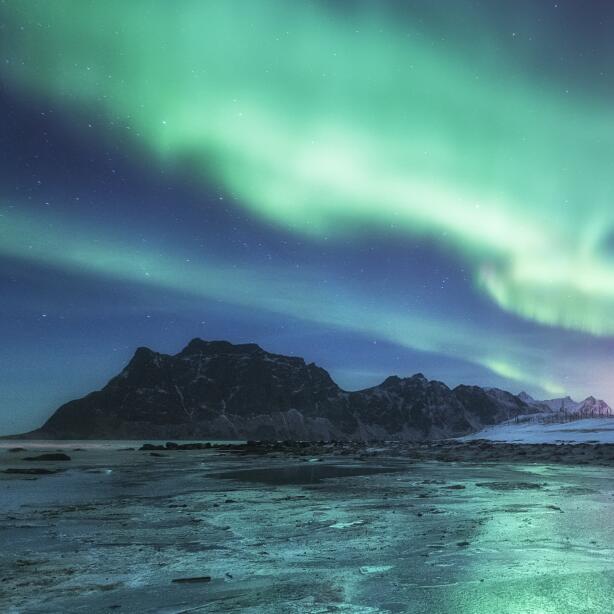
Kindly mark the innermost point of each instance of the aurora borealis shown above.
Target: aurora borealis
(376, 186)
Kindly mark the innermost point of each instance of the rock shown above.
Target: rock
(30, 471)
(192, 446)
(53, 456)
(195, 580)
(16, 450)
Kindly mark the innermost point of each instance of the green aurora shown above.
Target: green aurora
(354, 125)
(275, 290)
(332, 125)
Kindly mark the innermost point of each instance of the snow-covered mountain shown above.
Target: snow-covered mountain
(594, 407)
(562, 404)
(589, 407)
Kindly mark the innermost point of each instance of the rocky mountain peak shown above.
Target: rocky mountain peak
(216, 389)
(390, 381)
(142, 358)
(526, 397)
(200, 346)
(395, 381)
(143, 353)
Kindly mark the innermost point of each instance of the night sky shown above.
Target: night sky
(379, 187)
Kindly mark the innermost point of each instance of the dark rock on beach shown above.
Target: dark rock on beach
(30, 471)
(195, 580)
(53, 456)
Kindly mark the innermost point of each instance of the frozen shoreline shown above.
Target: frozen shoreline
(593, 430)
(386, 534)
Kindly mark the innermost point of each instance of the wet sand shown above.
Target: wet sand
(459, 528)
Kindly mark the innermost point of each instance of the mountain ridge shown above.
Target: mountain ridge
(219, 390)
(590, 406)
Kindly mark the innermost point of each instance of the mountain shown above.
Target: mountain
(564, 403)
(589, 407)
(214, 389)
(592, 407)
(527, 398)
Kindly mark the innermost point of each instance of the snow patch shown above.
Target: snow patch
(599, 430)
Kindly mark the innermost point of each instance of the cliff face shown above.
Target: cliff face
(214, 389)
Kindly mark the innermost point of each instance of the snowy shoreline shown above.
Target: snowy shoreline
(597, 430)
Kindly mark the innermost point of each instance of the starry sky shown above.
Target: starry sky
(379, 187)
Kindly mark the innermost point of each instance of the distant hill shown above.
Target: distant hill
(214, 389)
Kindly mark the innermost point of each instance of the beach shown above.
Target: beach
(313, 528)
